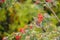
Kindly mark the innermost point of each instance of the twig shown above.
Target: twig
(53, 12)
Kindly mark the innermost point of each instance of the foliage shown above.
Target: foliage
(28, 20)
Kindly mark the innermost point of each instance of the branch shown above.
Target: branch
(53, 12)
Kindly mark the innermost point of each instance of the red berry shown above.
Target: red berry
(30, 27)
(22, 30)
(18, 37)
(40, 17)
(3, 0)
(48, 0)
